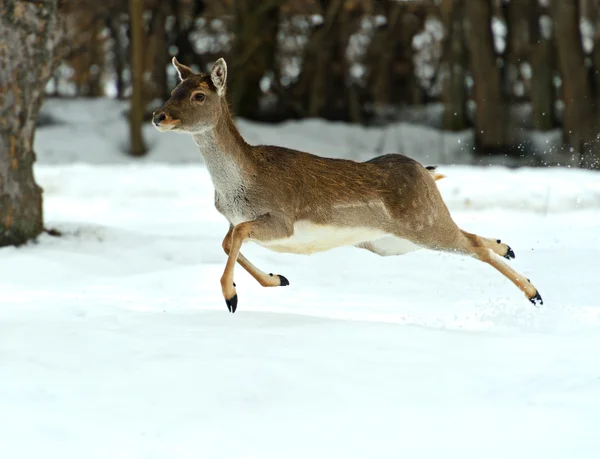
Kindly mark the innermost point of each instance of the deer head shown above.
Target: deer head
(197, 101)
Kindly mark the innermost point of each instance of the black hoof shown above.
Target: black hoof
(510, 254)
(536, 299)
(283, 282)
(232, 303)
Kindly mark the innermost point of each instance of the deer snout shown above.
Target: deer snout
(163, 121)
(159, 117)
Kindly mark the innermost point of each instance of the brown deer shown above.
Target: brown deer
(296, 202)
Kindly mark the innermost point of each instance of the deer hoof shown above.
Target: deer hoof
(283, 282)
(510, 254)
(536, 299)
(232, 303)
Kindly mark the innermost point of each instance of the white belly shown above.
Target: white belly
(311, 238)
(390, 245)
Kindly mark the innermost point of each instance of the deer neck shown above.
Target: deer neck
(225, 154)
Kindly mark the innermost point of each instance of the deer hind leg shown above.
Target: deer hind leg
(484, 250)
(263, 228)
(264, 279)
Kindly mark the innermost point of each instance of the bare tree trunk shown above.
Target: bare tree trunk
(578, 121)
(94, 86)
(543, 62)
(162, 55)
(517, 41)
(29, 37)
(114, 26)
(185, 14)
(136, 113)
(454, 66)
(253, 52)
(329, 77)
(156, 57)
(491, 117)
(591, 159)
(324, 85)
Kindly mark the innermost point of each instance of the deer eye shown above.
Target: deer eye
(199, 97)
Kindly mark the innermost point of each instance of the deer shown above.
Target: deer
(296, 202)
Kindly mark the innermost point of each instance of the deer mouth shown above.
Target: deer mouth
(167, 125)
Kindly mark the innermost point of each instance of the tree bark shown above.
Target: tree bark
(542, 60)
(253, 53)
(591, 157)
(136, 113)
(162, 55)
(157, 57)
(517, 41)
(185, 16)
(454, 66)
(390, 55)
(491, 116)
(29, 37)
(323, 86)
(579, 116)
(114, 26)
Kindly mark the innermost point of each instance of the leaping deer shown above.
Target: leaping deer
(296, 202)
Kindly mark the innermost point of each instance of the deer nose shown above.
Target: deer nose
(159, 118)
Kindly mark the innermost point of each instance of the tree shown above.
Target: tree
(136, 113)
(253, 52)
(543, 61)
(579, 117)
(391, 76)
(454, 66)
(491, 116)
(29, 37)
(323, 86)
(517, 16)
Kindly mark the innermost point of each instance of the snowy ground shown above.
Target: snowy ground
(96, 131)
(115, 341)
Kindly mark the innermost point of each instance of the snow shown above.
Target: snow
(96, 132)
(115, 340)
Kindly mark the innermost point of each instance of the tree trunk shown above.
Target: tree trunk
(185, 15)
(162, 56)
(323, 86)
(114, 26)
(454, 66)
(136, 113)
(391, 78)
(156, 57)
(253, 53)
(326, 91)
(591, 157)
(543, 62)
(517, 42)
(29, 37)
(491, 117)
(579, 117)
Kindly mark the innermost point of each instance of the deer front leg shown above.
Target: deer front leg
(264, 228)
(264, 279)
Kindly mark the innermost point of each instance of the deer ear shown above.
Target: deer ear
(183, 71)
(218, 75)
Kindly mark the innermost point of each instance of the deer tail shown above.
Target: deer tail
(436, 175)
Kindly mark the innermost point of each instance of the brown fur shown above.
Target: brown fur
(266, 192)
